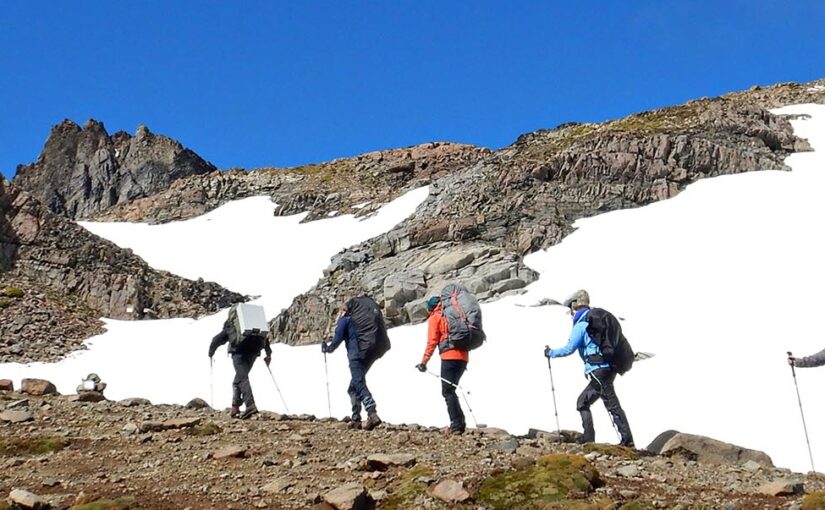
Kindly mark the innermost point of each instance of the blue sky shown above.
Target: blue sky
(253, 84)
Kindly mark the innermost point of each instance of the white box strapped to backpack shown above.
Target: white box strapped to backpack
(251, 320)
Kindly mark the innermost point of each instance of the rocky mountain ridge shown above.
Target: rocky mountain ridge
(58, 278)
(69, 451)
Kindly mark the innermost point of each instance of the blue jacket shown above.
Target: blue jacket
(581, 341)
(345, 332)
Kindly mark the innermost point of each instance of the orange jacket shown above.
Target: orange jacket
(436, 333)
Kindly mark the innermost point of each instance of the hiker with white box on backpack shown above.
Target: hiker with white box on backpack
(598, 338)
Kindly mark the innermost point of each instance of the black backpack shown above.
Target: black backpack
(606, 332)
(365, 314)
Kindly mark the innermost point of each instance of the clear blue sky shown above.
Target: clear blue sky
(255, 84)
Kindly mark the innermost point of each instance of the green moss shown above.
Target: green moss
(406, 489)
(611, 450)
(663, 120)
(107, 504)
(37, 445)
(814, 501)
(551, 479)
(12, 292)
(635, 505)
(207, 429)
(5, 303)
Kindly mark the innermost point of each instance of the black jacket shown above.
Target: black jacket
(252, 346)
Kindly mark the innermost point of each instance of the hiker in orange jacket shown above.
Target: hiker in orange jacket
(453, 363)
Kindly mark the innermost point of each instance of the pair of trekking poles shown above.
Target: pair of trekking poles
(212, 386)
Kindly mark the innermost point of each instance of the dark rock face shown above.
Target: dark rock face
(83, 171)
(526, 197)
(60, 276)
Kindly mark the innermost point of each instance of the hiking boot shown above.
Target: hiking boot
(235, 412)
(355, 424)
(249, 412)
(584, 440)
(372, 421)
(452, 432)
(627, 444)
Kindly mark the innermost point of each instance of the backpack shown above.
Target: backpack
(606, 332)
(366, 316)
(463, 314)
(245, 325)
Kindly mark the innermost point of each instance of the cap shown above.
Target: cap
(578, 299)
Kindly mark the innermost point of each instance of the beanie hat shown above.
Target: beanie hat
(432, 303)
(578, 299)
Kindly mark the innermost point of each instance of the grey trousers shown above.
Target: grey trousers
(241, 389)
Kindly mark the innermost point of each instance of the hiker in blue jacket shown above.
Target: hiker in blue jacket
(600, 374)
(359, 364)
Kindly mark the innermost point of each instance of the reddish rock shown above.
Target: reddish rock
(230, 451)
(450, 491)
(6, 385)
(38, 387)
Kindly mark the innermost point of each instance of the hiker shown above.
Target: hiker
(600, 374)
(814, 360)
(361, 327)
(244, 352)
(453, 363)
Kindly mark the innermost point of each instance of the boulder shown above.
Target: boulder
(352, 496)
(6, 385)
(782, 488)
(450, 491)
(710, 451)
(197, 403)
(87, 396)
(133, 402)
(180, 423)
(38, 387)
(16, 416)
(383, 461)
(28, 500)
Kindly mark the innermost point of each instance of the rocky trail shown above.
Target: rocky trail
(74, 452)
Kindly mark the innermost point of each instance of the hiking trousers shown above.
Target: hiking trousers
(358, 392)
(241, 389)
(452, 370)
(601, 386)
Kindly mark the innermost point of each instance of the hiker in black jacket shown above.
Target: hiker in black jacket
(244, 354)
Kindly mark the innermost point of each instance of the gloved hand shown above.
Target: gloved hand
(324, 347)
(268, 360)
(791, 361)
(547, 351)
(421, 367)
(211, 353)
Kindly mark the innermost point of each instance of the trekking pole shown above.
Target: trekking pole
(279, 389)
(801, 412)
(553, 391)
(211, 386)
(326, 372)
(463, 394)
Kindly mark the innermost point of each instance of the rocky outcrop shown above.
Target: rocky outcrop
(358, 185)
(710, 451)
(526, 197)
(83, 171)
(57, 269)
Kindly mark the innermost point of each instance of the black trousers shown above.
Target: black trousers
(241, 389)
(452, 370)
(601, 386)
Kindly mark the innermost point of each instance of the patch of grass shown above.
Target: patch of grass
(37, 445)
(551, 479)
(5, 303)
(663, 120)
(611, 450)
(635, 505)
(405, 490)
(84, 424)
(12, 292)
(207, 429)
(124, 503)
(814, 501)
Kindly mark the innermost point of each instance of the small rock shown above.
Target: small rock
(629, 471)
(28, 500)
(349, 497)
(51, 482)
(230, 451)
(18, 403)
(509, 445)
(197, 403)
(450, 491)
(181, 423)
(522, 462)
(782, 488)
(751, 466)
(130, 429)
(6, 385)
(16, 416)
(38, 387)
(278, 485)
(382, 461)
(133, 402)
(87, 396)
